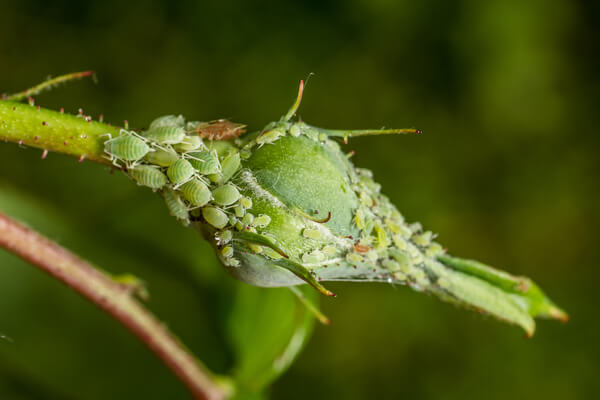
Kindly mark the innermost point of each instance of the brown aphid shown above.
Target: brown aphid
(220, 129)
(361, 248)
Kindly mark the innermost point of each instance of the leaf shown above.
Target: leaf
(267, 328)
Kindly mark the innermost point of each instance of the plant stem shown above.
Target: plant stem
(77, 136)
(113, 298)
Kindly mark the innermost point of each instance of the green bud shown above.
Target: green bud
(316, 218)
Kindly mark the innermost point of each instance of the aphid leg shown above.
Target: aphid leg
(47, 85)
(296, 104)
(310, 306)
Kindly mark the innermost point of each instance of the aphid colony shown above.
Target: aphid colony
(191, 176)
(194, 178)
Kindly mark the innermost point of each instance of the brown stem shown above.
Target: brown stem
(113, 298)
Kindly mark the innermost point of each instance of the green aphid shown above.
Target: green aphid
(227, 251)
(196, 192)
(180, 171)
(402, 258)
(226, 195)
(391, 265)
(150, 176)
(312, 234)
(176, 206)
(163, 158)
(270, 136)
(230, 165)
(248, 219)
(246, 202)
(424, 239)
(189, 143)
(127, 147)
(329, 250)
(296, 130)
(315, 256)
(239, 211)
(256, 249)
(165, 134)
(215, 217)
(206, 163)
(167, 120)
(262, 221)
(223, 237)
(354, 258)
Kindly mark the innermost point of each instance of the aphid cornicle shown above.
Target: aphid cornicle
(196, 192)
(180, 171)
(126, 147)
(146, 175)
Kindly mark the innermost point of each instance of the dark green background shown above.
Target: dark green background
(506, 92)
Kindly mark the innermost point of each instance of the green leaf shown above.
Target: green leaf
(267, 329)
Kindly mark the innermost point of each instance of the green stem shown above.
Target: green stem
(33, 126)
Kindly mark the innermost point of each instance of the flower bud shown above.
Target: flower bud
(288, 207)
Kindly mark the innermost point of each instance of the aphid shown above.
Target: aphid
(164, 158)
(226, 195)
(270, 136)
(239, 210)
(402, 258)
(311, 234)
(354, 258)
(229, 166)
(434, 249)
(221, 129)
(176, 206)
(223, 237)
(227, 251)
(313, 257)
(150, 176)
(248, 219)
(391, 265)
(206, 163)
(382, 241)
(262, 221)
(188, 143)
(295, 130)
(424, 239)
(126, 147)
(167, 120)
(329, 250)
(215, 216)
(256, 249)
(196, 192)
(165, 134)
(180, 171)
(399, 241)
(246, 202)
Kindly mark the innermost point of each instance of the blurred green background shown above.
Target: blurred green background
(507, 172)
